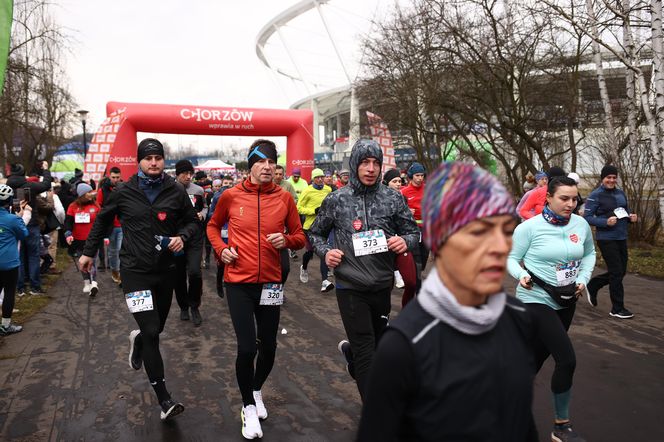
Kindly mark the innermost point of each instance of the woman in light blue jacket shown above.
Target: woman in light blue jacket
(553, 257)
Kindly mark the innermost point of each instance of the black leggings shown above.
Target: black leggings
(259, 337)
(552, 339)
(8, 280)
(151, 323)
(188, 265)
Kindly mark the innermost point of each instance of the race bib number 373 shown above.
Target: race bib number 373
(140, 301)
(369, 242)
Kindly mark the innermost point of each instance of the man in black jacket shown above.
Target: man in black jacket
(30, 246)
(157, 218)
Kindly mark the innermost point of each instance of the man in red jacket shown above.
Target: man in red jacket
(413, 193)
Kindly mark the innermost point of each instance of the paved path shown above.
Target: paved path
(66, 377)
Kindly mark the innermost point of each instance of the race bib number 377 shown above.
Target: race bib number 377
(140, 301)
(369, 242)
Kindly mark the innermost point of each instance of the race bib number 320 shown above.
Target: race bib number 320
(369, 242)
(140, 301)
(272, 294)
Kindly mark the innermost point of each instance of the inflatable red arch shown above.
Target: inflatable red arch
(114, 143)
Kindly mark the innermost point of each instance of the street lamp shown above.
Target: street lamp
(83, 114)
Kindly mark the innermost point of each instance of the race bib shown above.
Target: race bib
(566, 273)
(621, 213)
(140, 301)
(272, 294)
(192, 198)
(82, 217)
(369, 242)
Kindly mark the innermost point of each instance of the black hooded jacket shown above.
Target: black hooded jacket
(375, 207)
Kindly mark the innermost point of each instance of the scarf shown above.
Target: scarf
(151, 182)
(317, 187)
(438, 301)
(552, 217)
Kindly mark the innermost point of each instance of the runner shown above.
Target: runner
(157, 219)
(257, 212)
(608, 210)
(298, 183)
(414, 193)
(308, 204)
(81, 215)
(406, 275)
(457, 363)
(558, 256)
(226, 184)
(12, 230)
(108, 185)
(534, 204)
(344, 176)
(371, 225)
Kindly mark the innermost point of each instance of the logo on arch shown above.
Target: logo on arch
(161, 216)
(574, 238)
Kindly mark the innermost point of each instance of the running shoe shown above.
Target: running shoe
(565, 433)
(292, 253)
(261, 411)
(622, 314)
(196, 317)
(87, 287)
(184, 315)
(20, 293)
(592, 296)
(135, 359)
(304, 275)
(344, 349)
(251, 426)
(170, 409)
(10, 329)
(115, 276)
(94, 289)
(398, 280)
(37, 292)
(326, 286)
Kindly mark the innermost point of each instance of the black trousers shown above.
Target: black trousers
(8, 281)
(151, 323)
(256, 332)
(552, 339)
(615, 255)
(188, 269)
(365, 315)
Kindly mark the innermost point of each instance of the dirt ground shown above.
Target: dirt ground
(66, 376)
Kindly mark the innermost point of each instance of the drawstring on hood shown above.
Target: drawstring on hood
(363, 149)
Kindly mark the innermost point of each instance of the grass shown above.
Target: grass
(28, 305)
(644, 260)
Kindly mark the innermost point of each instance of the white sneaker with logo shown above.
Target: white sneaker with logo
(398, 280)
(260, 405)
(304, 275)
(87, 287)
(94, 288)
(251, 426)
(326, 286)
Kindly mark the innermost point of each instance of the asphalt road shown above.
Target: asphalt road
(66, 376)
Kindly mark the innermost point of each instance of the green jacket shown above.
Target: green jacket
(309, 201)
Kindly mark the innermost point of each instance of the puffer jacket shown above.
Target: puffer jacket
(356, 208)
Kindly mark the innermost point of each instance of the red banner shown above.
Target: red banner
(381, 134)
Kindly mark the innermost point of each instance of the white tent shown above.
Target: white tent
(215, 165)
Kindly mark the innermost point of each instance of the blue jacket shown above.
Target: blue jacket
(12, 230)
(600, 205)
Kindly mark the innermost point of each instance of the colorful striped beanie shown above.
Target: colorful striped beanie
(456, 194)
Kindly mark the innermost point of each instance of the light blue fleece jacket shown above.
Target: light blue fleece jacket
(541, 246)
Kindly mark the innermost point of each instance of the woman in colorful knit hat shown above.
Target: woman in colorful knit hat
(457, 363)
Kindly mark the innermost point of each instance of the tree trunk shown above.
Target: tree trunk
(658, 74)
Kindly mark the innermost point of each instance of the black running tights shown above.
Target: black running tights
(8, 280)
(259, 337)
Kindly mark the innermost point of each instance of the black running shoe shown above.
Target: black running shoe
(592, 296)
(622, 314)
(184, 315)
(344, 349)
(135, 359)
(565, 433)
(196, 317)
(170, 409)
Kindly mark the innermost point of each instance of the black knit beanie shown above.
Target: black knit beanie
(609, 170)
(390, 175)
(556, 171)
(183, 166)
(149, 146)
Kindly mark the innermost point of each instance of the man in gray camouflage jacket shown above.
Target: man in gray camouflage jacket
(371, 224)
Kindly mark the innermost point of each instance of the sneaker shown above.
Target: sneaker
(326, 286)
(94, 289)
(10, 329)
(170, 409)
(344, 349)
(304, 275)
(565, 433)
(20, 293)
(115, 276)
(622, 314)
(135, 359)
(251, 426)
(87, 287)
(292, 253)
(398, 280)
(37, 292)
(592, 296)
(184, 315)
(196, 317)
(261, 411)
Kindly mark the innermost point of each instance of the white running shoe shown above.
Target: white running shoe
(326, 286)
(251, 426)
(94, 288)
(87, 287)
(398, 280)
(304, 275)
(260, 405)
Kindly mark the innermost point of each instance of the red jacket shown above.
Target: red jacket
(414, 200)
(252, 212)
(536, 201)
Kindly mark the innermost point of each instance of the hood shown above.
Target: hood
(364, 149)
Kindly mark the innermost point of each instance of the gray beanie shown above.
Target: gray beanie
(82, 189)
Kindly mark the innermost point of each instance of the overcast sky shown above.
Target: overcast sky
(198, 52)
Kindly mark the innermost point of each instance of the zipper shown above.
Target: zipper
(364, 206)
(258, 275)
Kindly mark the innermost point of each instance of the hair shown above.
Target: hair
(558, 181)
(114, 170)
(279, 166)
(227, 177)
(262, 141)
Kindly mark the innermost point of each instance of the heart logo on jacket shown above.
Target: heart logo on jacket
(574, 238)
(161, 216)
